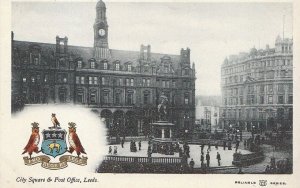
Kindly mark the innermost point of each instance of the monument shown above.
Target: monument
(163, 141)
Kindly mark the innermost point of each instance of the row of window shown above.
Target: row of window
(104, 65)
(256, 113)
(285, 49)
(118, 98)
(251, 99)
(61, 78)
(93, 80)
(128, 67)
(251, 89)
(263, 63)
(258, 75)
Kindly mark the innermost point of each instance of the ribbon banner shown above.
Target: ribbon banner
(63, 161)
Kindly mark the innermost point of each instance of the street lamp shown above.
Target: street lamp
(186, 133)
(267, 116)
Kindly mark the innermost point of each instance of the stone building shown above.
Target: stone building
(207, 117)
(122, 87)
(207, 112)
(257, 88)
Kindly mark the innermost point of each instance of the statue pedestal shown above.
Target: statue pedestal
(163, 142)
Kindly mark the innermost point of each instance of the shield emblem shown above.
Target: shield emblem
(54, 142)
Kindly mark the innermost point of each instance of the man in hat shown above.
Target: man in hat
(207, 159)
(219, 159)
(202, 159)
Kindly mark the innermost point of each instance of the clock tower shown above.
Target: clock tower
(101, 50)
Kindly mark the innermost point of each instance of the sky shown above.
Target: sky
(212, 31)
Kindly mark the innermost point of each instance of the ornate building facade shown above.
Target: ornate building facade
(257, 88)
(122, 87)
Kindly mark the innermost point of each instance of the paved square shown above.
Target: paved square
(195, 151)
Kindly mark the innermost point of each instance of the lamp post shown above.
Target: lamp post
(186, 133)
(186, 118)
(267, 116)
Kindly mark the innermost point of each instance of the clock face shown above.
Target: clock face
(101, 32)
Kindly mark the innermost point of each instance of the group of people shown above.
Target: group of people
(253, 143)
(207, 156)
(184, 151)
(280, 167)
(133, 147)
(115, 150)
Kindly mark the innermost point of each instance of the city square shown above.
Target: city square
(169, 112)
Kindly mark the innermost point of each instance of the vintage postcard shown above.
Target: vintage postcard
(176, 93)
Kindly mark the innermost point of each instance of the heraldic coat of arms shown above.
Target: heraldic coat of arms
(54, 144)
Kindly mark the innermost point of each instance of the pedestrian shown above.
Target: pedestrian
(192, 164)
(140, 145)
(180, 152)
(202, 159)
(109, 150)
(131, 146)
(122, 143)
(115, 150)
(224, 145)
(207, 159)
(149, 152)
(237, 145)
(202, 147)
(134, 147)
(229, 145)
(219, 159)
(187, 151)
(241, 135)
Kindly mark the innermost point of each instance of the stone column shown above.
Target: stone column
(170, 133)
(162, 133)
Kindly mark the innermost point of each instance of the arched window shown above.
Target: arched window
(129, 98)
(93, 96)
(186, 98)
(129, 67)
(118, 97)
(146, 97)
(62, 94)
(117, 66)
(105, 65)
(105, 97)
(79, 95)
(92, 64)
(79, 64)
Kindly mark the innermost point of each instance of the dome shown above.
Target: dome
(100, 4)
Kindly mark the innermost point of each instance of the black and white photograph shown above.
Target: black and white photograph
(181, 87)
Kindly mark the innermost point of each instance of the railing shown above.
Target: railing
(164, 160)
(207, 141)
